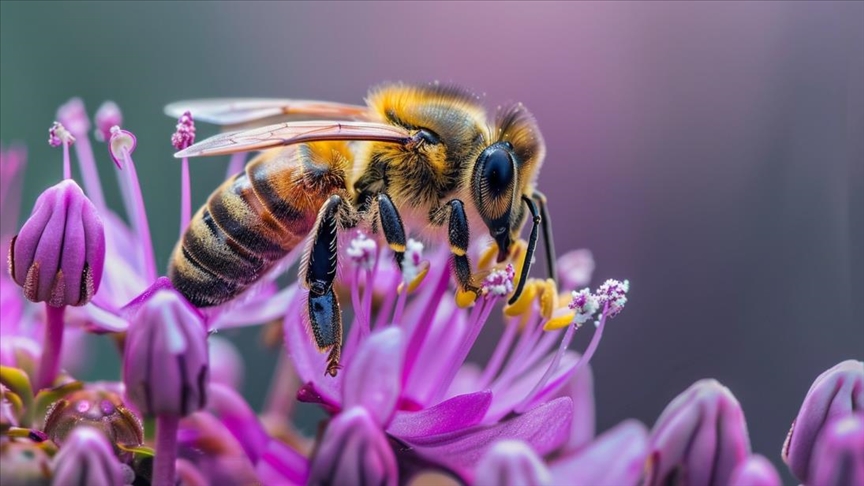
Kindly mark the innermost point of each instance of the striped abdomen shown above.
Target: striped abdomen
(250, 223)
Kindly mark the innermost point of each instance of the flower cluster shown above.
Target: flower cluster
(407, 402)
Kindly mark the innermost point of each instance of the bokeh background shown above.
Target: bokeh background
(712, 153)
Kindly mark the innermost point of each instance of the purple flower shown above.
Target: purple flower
(703, 425)
(513, 463)
(86, 459)
(756, 470)
(59, 254)
(837, 392)
(838, 457)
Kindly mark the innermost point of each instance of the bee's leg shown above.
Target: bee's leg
(391, 226)
(325, 315)
(548, 242)
(459, 237)
(532, 245)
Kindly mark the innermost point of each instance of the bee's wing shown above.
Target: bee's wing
(241, 111)
(292, 133)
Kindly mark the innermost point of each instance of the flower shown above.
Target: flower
(86, 459)
(165, 359)
(756, 470)
(59, 254)
(703, 425)
(838, 457)
(836, 393)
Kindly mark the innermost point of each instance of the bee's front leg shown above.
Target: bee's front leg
(319, 270)
(391, 226)
(458, 237)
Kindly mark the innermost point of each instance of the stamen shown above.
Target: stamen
(498, 283)
(497, 359)
(58, 135)
(121, 146)
(182, 138)
(235, 165)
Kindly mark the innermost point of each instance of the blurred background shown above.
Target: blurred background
(712, 153)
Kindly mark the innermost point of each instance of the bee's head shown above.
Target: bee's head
(504, 172)
(493, 187)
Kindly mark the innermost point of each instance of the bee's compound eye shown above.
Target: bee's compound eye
(497, 169)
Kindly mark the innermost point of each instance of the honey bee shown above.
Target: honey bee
(428, 160)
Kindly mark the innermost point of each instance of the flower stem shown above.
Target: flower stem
(553, 366)
(67, 165)
(164, 461)
(186, 196)
(138, 214)
(87, 165)
(50, 361)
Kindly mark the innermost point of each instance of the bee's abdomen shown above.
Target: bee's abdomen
(235, 239)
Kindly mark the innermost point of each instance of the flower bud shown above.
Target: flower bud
(513, 463)
(838, 458)
(755, 471)
(354, 450)
(108, 115)
(703, 425)
(59, 254)
(23, 463)
(835, 393)
(86, 459)
(165, 362)
(100, 409)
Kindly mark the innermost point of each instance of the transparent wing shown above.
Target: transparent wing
(240, 111)
(292, 133)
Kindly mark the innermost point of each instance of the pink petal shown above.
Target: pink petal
(373, 378)
(616, 457)
(580, 389)
(254, 307)
(513, 463)
(457, 413)
(544, 428)
(280, 464)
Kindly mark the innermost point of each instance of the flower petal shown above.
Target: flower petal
(354, 451)
(513, 463)
(544, 428)
(308, 361)
(457, 413)
(280, 464)
(616, 457)
(373, 378)
(255, 306)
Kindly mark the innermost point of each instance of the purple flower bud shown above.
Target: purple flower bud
(100, 409)
(165, 362)
(58, 135)
(835, 393)
(73, 115)
(703, 425)
(185, 134)
(24, 463)
(838, 458)
(108, 115)
(86, 459)
(755, 471)
(512, 463)
(354, 450)
(59, 254)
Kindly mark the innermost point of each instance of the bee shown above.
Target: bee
(427, 160)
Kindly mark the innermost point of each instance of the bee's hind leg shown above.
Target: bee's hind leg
(319, 271)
